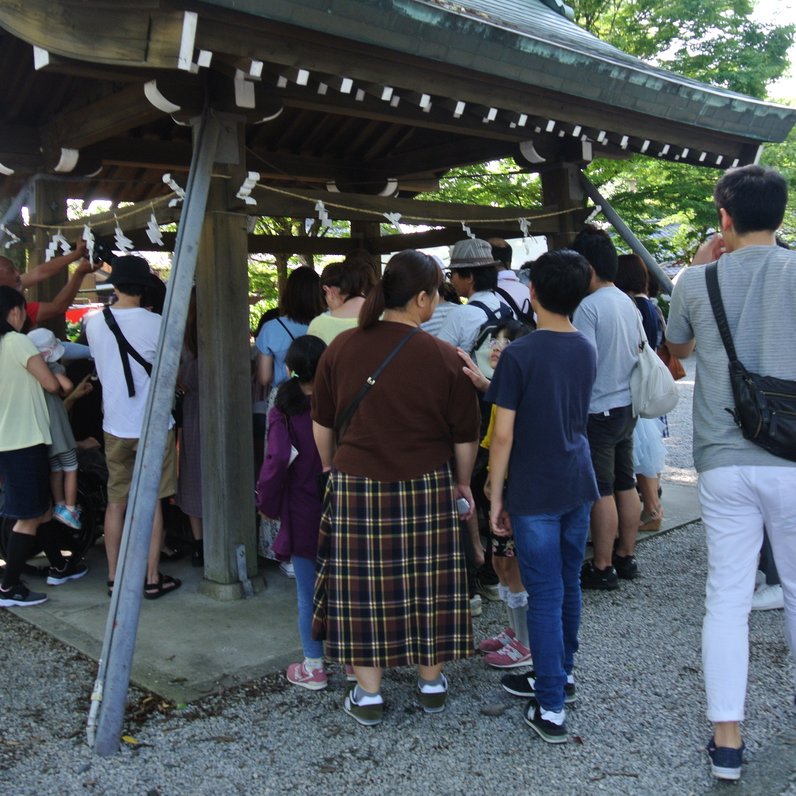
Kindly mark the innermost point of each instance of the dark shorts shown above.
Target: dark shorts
(25, 474)
(503, 546)
(611, 442)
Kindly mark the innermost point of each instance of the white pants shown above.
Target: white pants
(736, 503)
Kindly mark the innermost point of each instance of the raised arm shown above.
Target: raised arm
(54, 266)
(64, 298)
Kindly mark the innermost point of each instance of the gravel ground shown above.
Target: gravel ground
(638, 726)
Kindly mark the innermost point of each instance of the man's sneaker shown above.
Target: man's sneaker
(513, 654)
(20, 595)
(368, 714)
(524, 685)
(299, 674)
(768, 598)
(626, 566)
(476, 607)
(725, 763)
(593, 578)
(506, 636)
(71, 570)
(433, 697)
(286, 568)
(547, 730)
(67, 516)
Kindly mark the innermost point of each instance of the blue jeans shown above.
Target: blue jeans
(550, 550)
(304, 569)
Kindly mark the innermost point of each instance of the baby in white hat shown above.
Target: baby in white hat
(63, 450)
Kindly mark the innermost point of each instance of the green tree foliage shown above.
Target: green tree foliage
(715, 42)
(668, 205)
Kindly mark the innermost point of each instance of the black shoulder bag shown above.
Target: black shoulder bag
(342, 420)
(765, 406)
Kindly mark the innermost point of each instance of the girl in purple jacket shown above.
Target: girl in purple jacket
(288, 488)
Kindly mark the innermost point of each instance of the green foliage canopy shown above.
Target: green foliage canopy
(668, 205)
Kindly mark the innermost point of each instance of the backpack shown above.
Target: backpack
(522, 317)
(480, 350)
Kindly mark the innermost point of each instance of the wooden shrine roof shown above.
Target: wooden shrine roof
(373, 97)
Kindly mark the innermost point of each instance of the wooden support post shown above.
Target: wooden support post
(226, 413)
(367, 235)
(49, 207)
(561, 188)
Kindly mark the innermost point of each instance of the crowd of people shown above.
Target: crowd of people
(437, 433)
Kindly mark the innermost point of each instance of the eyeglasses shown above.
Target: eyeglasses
(499, 343)
(448, 273)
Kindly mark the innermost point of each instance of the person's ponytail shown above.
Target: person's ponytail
(374, 305)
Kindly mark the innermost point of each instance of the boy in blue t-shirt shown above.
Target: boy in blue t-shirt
(541, 388)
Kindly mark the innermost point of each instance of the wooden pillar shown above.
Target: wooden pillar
(561, 189)
(49, 207)
(365, 235)
(226, 414)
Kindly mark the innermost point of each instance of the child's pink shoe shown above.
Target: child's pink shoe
(496, 643)
(314, 679)
(513, 654)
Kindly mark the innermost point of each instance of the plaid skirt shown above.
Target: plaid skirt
(392, 586)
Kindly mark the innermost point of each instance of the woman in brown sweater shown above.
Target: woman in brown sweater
(392, 587)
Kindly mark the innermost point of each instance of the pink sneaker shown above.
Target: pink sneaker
(314, 679)
(496, 643)
(513, 654)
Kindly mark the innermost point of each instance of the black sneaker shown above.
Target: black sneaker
(626, 566)
(71, 570)
(523, 685)
(593, 578)
(20, 595)
(546, 730)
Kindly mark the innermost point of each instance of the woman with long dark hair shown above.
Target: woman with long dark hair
(24, 466)
(392, 584)
(299, 303)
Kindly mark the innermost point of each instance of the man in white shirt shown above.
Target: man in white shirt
(125, 386)
(509, 288)
(473, 273)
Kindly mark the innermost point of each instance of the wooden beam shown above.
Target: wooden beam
(356, 207)
(109, 116)
(137, 34)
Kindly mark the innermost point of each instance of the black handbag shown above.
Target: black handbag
(765, 406)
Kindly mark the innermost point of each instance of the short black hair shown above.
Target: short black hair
(130, 289)
(597, 247)
(632, 275)
(754, 197)
(561, 280)
(484, 276)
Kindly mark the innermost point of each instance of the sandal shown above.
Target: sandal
(165, 585)
(170, 554)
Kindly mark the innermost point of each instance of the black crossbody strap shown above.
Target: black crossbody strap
(342, 421)
(125, 352)
(714, 293)
(286, 329)
(508, 298)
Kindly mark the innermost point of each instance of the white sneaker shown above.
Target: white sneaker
(760, 579)
(476, 606)
(286, 568)
(768, 598)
